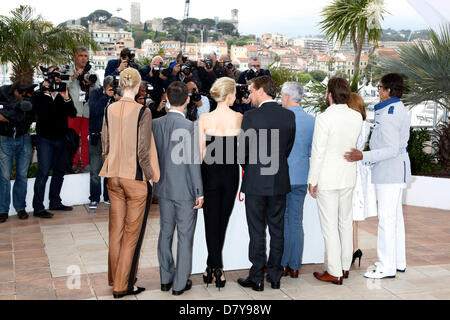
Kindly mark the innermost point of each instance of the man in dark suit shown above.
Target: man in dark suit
(254, 71)
(179, 190)
(116, 66)
(267, 140)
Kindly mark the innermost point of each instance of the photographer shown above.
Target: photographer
(52, 110)
(100, 99)
(198, 105)
(15, 143)
(185, 72)
(242, 104)
(157, 76)
(82, 82)
(209, 70)
(254, 71)
(144, 97)
(229, 67)
(116, 66)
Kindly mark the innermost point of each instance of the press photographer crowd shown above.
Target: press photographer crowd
(68, 109)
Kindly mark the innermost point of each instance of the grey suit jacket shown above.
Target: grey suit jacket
(178, 155)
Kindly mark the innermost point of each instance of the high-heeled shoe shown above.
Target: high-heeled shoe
(129, 293)
(218, 275)
(357, 254)
(209, 276)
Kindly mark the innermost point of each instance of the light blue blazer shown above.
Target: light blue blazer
(301, 152)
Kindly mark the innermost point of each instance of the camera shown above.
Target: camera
(15, 111)
(130, 59)
(208, 63)
(86, 76)
(242, 91)
(228, 65)
(160, 70)
(195, 96)
(50, 77)
(116, 85)
(252, 73)
(186, 69)
(185, 58)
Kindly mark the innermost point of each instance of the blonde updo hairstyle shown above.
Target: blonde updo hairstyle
(222, 88)
(130, 79)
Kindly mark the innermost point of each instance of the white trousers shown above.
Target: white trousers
(336, 220)
(391, 228)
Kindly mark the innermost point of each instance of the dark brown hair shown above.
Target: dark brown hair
(177, 93)
(393, 81)
(267, 84)
(340, 90)
(356, 103)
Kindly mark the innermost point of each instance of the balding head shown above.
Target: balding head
(224, 57)
(156, 61)
(192, 86)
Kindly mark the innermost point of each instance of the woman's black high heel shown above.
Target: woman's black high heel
(219, 282)
(209, 277)
(358, 254)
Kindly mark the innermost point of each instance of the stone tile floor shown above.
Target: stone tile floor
(38, 257)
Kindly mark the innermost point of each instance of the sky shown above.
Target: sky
(290, 17)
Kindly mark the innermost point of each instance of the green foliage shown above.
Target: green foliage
(316, 99)
(404, 35)
(426, 66)
(421, 162)
(29, 41)
(441, 143)
(318, 75)
(170, 23)
(100, 16)
(356, 20)
(139, 37)
(281, 75)
(225, 27)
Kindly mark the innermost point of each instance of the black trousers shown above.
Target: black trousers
(262, 211)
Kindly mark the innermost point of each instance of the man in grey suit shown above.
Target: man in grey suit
(180, 189)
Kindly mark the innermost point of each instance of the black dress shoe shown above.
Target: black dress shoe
(402, 271)
(129, 293)
(61, 207)
(3, 217)
(166, 287)
(22, 214)
(188, 287)
(43, 214)
(273, 284)
(247, 283)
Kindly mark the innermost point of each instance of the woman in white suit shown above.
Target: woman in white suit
(364, 203)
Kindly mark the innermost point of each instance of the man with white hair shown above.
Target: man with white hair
(292, 95)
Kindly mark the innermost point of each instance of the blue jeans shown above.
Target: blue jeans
(293, 227)
(96, 162)
(51, 154)
(21, 149)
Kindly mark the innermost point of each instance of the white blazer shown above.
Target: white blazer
(336, 132)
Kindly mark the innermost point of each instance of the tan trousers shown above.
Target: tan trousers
(336, 220)
(130, 204)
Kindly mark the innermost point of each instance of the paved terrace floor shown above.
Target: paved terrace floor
(35, 256)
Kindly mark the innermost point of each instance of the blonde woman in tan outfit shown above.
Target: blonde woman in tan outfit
(127, 152)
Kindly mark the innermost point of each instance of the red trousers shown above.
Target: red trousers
(81, 126)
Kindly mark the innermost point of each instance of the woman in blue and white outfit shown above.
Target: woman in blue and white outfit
(391, 171)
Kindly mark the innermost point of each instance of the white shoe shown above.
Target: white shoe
(377, 274)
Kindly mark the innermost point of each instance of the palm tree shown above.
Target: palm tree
(355, 20)
(426, 67)
(28, 42)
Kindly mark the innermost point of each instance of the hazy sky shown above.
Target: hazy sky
(291, 17)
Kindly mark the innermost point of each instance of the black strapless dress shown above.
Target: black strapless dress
(220, 174)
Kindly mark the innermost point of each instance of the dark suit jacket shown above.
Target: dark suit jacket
(178, 181)
(111, 68)
(274, 182)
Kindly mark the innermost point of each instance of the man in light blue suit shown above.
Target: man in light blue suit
(292, 94)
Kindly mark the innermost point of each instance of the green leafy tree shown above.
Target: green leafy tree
(225, 27)
(356, 20)
(318, 75)
(426, 67)
(29, 41)
(208, 23)
(170, 23)
(139, 37)
(100, 16)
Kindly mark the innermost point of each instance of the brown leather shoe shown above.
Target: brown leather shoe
(328, 278)
(293, 273)
(346, 274)
(286, 271)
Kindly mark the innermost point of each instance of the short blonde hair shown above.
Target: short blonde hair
(222, 88)
(129, 78)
